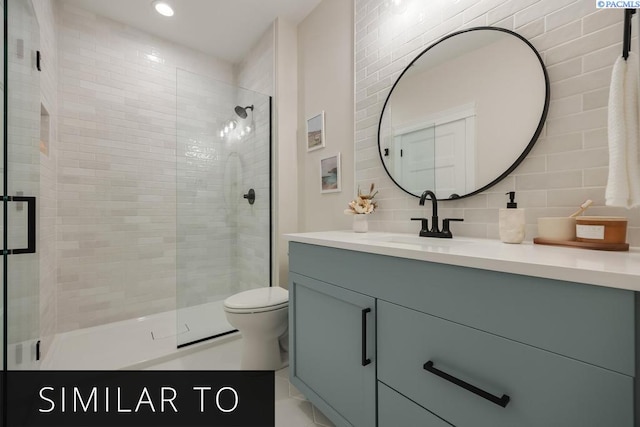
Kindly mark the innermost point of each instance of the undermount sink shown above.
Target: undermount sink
(417, 240)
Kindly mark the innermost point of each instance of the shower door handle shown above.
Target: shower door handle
(31, 224)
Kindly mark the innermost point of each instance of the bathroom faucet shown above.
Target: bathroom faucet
(434, 210)
(435, 229)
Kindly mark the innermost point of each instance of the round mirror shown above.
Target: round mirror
(464, 113)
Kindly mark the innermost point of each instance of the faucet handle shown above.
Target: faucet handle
(425, 224)
(445, 225)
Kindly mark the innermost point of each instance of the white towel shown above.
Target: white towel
(623, 184)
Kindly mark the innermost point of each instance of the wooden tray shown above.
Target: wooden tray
(583, 245)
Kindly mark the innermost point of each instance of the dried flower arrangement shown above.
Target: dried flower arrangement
(363, 204)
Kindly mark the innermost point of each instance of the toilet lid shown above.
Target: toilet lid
(261, 298)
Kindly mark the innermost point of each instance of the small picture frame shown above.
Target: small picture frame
(330, 174)
(315, 132)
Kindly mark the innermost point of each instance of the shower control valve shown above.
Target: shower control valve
(250, 196)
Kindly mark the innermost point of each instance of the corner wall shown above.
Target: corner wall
(325, 64)
(285, 147)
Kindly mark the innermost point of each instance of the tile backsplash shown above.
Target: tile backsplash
(568, 164)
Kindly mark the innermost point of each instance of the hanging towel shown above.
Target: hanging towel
(623, 184)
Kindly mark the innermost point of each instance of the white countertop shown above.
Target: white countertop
(603, 268)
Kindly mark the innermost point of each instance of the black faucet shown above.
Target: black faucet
(434, 210)
(435, 229)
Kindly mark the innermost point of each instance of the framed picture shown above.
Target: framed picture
(315, 132)
(330, 174)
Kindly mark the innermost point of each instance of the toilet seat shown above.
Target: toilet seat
(258, 300)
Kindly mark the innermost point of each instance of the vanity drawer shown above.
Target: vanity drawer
(395, 410)
(545, 389)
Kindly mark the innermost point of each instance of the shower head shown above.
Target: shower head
(242, 112)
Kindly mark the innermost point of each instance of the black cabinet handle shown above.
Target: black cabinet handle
(365, 361)
(500, 401)
(31, 224)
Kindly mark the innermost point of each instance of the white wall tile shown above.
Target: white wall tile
(579, 44)
(117, 170)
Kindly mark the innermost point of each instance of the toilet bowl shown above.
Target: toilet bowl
(261, 315)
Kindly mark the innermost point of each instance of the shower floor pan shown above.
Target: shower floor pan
(137, 343)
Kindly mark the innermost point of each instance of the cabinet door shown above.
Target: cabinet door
(332, 350)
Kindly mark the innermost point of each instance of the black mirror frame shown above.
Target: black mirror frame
(529, 146)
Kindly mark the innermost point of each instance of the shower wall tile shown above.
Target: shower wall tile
(207, 225)
(255, 73)
(117, 175)
(578, 43)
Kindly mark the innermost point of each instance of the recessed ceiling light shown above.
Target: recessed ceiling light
(163, 8)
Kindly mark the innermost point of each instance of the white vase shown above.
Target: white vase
(360, 223)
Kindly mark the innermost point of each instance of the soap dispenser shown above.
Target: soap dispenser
(511, 221)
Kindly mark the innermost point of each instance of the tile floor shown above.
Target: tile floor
(291, 407)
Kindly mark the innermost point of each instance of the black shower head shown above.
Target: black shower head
(242, 112)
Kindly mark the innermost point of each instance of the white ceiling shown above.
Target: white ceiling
(226, 29)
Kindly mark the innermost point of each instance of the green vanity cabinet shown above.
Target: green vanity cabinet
(332, 351)
(458, 346)
(455, 345)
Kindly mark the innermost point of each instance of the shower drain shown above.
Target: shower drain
(168, 332)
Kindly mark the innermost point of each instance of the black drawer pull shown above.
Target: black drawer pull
(500, 401)
(365, 361)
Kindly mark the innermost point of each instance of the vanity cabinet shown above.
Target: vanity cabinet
(332, 335)
(456, 345)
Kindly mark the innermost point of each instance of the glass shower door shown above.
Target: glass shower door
(21, 185)
(223, 201)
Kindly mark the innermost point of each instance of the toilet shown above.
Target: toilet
(261, 315)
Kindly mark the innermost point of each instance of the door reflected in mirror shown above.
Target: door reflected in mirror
(464, 113)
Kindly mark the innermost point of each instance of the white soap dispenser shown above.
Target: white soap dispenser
(511, 221)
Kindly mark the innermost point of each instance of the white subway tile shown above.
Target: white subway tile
(565, 70)
(560, 35)
(572, 12)
(594, 158)
(118, 172)
(595, 99)
(584, 45)
(595, 138)
(585, 82)
(560, 143)
(537, 9)
(565, 106)
(587, 120)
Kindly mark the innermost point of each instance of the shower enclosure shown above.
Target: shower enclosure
(21, 187)
(110, 228)
(224, 200)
